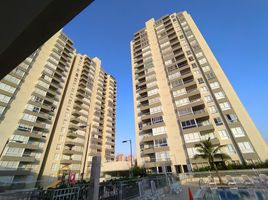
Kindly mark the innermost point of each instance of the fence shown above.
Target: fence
(119, 190)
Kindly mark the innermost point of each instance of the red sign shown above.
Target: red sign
(72, 178)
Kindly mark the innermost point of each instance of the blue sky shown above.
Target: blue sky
(236, 31)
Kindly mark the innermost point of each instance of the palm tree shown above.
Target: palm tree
(207, 151)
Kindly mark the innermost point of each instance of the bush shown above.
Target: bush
(232, 166)
(138, 171)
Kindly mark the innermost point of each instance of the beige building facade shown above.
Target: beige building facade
(57, 110)
(182, 96)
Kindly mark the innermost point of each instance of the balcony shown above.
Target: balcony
(155, 163)
(24, 158)
(33, 146)
(153, 149)
(73, 143)
(71, 152)
(68, 162)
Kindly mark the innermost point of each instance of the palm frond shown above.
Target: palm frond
(219, 148)
(203, 156)
(222, 156)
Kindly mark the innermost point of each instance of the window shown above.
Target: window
(185, 111)
(4, 98)
(162, 156)
(204, 89)
(154, 100)
(37, 99)
(177, 83)
(43, 84)
(157, 119)
(19, 138)
(231, 118)
(175, 75)
(182, 102)
(179, 92)
(164, 45)
(12, 151)
(29, 117)
(194, 65)
(7, 88)
(188, 124)
(192, 137)
(196, 72)
(18, 72)
(210, 75)
(191, 152)
(245, 147)
(206, 136)
(152, 92)
(219, 95)
(230, 148)
(225, 106)
(191, 58)
(155, 109)
(205, 68)
(199, 54)
(41, 92)
(212, 109)
(188, 52)
(214, 85)
(160, 142)
(218, 121)
(223, 134)
(159, 130)
(202, 61)
(238, 132)
(12, 79)
(200, 80)
(208, 99)
(24, 127)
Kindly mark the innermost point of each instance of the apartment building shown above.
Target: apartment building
(182, 96)
(50, 106)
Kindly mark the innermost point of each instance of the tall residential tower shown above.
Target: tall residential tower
(182, 96)
(57, 111)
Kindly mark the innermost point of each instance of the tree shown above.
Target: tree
(207, 151)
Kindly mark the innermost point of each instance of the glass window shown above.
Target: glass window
(206, 68)
(219, 95)
(179, 92)
(29, 117)
(223, 134)
(225, 106)
(188, 124)
(238, 132)
(214, 85)
(218, 121)
(208, 99)
(212, 109)
(230, 148)
(159, 130)
(202, 61)
(182, 102)
(245, 147)
(192, 137)
(7, 88)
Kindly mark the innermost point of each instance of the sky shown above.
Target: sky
(235, 30)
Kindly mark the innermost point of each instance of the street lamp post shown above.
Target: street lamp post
(85, 158)
(130, 143)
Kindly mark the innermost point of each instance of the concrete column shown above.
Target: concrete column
(93, 191)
